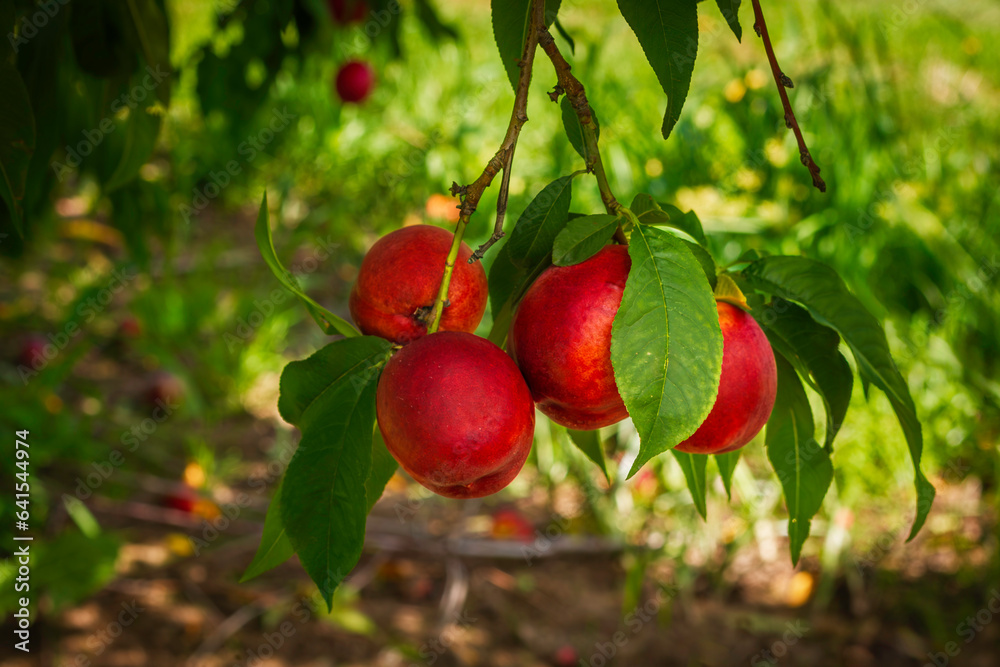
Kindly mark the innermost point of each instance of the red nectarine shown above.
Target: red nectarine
(747, 387)
(455, 413)
(346, 12)
(355, 81)
(561, 339)
(399, 281)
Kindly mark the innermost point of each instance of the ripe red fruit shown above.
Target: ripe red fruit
(399, 280)
(747, 387)
(164, 389)
(455, 413)
(32, 352)
(565, 656)
(184, 499)
(355, 81)
(511, 524)
(561, 339)
(346, 12)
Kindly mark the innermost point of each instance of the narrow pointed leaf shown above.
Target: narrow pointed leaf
(330, 323)
(802, 464)
(667, 306)
(730, 10)
(823, 293)
(668, 33)
(543, 219)
(813, 349)
(727, 464)
(589, 442)
(574, 131)
(274, 547)
(693, 466)
(583, 238)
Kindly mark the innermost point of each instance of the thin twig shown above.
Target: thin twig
(504, 157)
(783, 81)
(576, 94)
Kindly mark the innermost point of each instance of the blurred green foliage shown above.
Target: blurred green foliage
(897, 102)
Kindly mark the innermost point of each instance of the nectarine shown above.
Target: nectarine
(747, 387)
(455, 413)
(355, 81)
(399, 281)
(561, 339)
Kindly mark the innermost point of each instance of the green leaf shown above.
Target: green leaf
(668, 33)
(731, 10)
(574, 131)
(511, 19)
(304, 383)
(706, 261)
(589, 442)
(650, 212)
(383, 468)
(17, 141)
(323, 498)
(72, 567)
(503, 280)
(686, 221)
(693, 466)
(565, 35)
(141, 131)
(667, 303)
(813, 350)
(432, 21)
(802, 464)
(275, 548)
(531, 240)
(151, 33)
(330, 323)
(826, 297)
(727, 464)
(583, 238)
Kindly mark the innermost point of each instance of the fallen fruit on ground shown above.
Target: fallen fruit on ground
(399, 280)
(747, 387)
(164, 390)
(355, 81)
(561, 340)
(455, 413)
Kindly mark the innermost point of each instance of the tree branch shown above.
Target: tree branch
(783, 81)
(501, 161)
(576, 94)
(505, 155)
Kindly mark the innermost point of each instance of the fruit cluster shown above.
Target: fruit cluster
(355, 78)
(457, 412)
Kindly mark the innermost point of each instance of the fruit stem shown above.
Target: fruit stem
(760, 27)
(449, 267)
